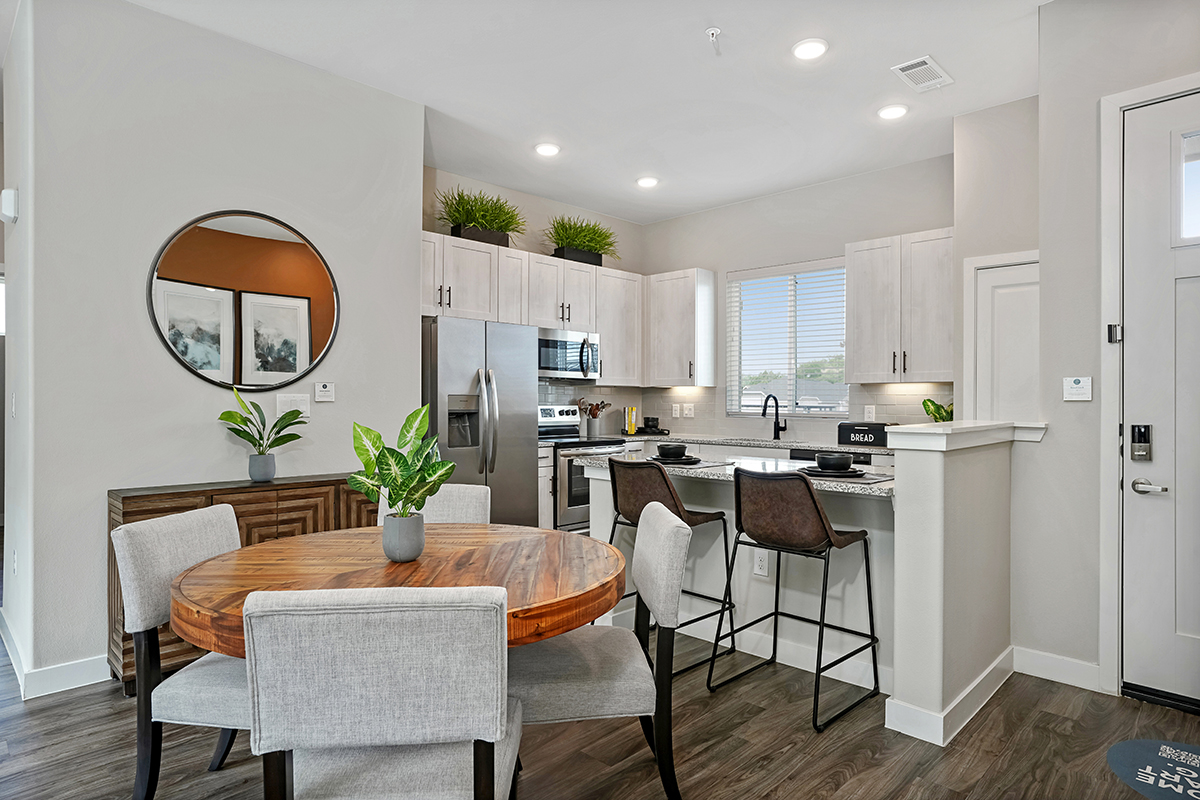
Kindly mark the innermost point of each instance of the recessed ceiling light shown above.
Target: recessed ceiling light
(547, 149)
(647, 182)
(893, 112)
(809, 49)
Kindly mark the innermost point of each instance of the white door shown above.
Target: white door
(579, 295)
(546, 307)
(1004, 342)
(1161, 377)
(512, 286)
(432, 290)
(873, 311)
(470, 272)
(619, 323)
(927, 306)
(672, 341)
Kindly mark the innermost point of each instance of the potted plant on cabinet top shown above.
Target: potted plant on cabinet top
(578, 239)
(409, 479)
(252, 427)
(479, 216)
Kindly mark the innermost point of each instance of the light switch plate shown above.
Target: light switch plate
(1077, 388)
(675, 410)
(323, 392)
(286, 402)
(868, 413)
(689, 409)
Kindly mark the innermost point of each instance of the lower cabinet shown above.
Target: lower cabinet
(285, 507)
(545, 487)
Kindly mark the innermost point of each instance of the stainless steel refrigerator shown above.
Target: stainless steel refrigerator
(480, 381)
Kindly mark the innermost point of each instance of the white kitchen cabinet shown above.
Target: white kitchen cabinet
(546, 307)
(619, 323)
(927, 306)
(546, 487)
(432, 288)
(900, 308)
(680, 344)
(512, 286)
(579, 296)
(470, 272)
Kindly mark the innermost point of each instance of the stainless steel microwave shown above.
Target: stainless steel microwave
(572, 355)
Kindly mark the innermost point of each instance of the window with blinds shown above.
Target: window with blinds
(786, 335)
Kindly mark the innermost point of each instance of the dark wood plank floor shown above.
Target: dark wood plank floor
(752, 739)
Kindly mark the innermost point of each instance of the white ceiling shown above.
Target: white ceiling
(631, 87)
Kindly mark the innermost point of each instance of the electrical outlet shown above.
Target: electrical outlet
(868, 413)
(675, 410)
(689, 409)
(761, 565)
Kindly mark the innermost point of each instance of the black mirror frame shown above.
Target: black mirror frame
(337, 300)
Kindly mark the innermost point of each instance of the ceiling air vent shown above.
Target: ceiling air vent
(923, 74)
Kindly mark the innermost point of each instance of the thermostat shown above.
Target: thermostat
(324, 392)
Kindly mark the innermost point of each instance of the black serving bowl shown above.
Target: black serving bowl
(672, 450)
(835, 462)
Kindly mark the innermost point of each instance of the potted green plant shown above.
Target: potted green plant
(479, 216)
(938, 412)
(408, 478)
(251, 425)
(578, 239)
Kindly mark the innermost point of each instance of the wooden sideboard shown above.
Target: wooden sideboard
(271, 510)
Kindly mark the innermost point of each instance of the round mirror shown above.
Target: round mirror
(242, 299)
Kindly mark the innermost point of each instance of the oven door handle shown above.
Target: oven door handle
(484, 422)
(591, 451)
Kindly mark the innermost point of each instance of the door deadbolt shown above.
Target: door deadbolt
(1139, 443)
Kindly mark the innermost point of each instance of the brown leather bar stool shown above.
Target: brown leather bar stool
(637, 484)
(780, 511)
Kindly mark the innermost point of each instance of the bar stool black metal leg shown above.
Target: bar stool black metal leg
(728, 598)
(712, 662)
(612, 533)
(820, 643)
(775, 620)
(871, 617)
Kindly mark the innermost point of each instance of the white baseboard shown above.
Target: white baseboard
(60, 677)
(941, 728)
(14, 655)
(1059, 669)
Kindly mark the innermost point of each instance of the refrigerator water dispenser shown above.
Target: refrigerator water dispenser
(462, 420)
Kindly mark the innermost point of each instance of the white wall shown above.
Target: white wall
(123, 125)
(537, 211)
(800, 225)
(1089, 49)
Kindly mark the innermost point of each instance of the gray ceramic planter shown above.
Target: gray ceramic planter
(403, 537)
(262, 468)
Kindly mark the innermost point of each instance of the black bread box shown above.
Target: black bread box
(863, 434)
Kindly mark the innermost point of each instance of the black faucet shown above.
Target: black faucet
(779, 426)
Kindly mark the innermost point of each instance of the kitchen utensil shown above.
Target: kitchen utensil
(671, 450)
(835, 462)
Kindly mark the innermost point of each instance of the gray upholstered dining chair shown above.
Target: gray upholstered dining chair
(455, 502)
(600, 671)
(414, 705)
(209, 692)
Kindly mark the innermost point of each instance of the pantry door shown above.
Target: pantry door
(1161, 376)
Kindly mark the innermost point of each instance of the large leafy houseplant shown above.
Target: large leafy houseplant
(479, 215)
(573, 236)
(251, 425)
(409, 478)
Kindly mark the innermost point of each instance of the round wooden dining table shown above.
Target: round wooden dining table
(556, 580)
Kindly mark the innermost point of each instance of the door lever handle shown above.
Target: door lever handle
(1143, 486)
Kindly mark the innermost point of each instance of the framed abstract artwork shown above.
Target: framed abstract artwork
(197, 323)
(276, 337)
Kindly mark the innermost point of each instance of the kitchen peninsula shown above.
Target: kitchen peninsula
(939, 530)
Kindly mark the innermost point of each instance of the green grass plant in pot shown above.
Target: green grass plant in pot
(403, 480)
(479, 216)
(250, 424)
(578, 239)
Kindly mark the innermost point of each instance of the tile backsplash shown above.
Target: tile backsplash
(564, 394)
(898, 402)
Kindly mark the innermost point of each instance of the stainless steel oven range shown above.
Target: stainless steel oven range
(560, 425)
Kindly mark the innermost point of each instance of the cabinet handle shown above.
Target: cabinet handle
(449, 299)
(691, 370)
(440, 295)
(893, 362)
(562, 313)
(568, 312)
(906, 361)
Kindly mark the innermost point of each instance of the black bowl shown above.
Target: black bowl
(835, 462)
(672, 450)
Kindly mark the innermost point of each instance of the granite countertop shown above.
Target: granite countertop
(761, 464)
(777, 444)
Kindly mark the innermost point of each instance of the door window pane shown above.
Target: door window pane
(1191, 186)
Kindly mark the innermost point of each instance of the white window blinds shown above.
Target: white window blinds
(786, 335)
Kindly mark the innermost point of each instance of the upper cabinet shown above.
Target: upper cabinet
(681, 319)
(619, 323)
(546, 306)
(512, 286)
(470, 274)
(579, 296)
(900, 308)
(433, 290)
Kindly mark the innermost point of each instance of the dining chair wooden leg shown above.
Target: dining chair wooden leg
(224, 745)
(277, 776)
(648, 730)
(520, 766)
(663, 750)
(148, 667)
(485, 770)
(512, 792)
